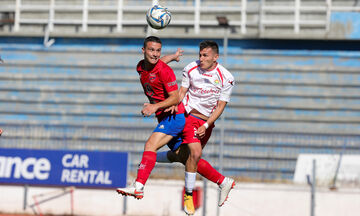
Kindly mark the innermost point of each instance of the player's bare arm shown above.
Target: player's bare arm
(174, 108)
(173, 57)
(173, 99)
(182, 93)
(213, 117)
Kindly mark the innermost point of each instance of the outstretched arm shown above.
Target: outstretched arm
(182, 93)
(149, 109)
(213, 117)
(172, 57)
(174, 108)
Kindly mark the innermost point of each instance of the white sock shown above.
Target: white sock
(161, 157)
(190, 179)
(139, 186)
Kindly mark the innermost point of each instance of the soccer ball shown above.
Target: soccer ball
(158, 17)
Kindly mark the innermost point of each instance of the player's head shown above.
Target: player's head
(152, 49)
(208, 54)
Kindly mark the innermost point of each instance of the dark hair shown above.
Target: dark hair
(152, 39)
(209, 43)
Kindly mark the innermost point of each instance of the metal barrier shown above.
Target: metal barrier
(49, 196)
(258, 11)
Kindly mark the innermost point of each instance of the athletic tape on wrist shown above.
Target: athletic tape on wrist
(206, 125)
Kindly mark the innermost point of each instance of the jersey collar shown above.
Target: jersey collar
(140, 67)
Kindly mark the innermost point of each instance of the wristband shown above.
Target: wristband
(206, 125)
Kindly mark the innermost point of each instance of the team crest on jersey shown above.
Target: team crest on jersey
(217, 82)
(149, 91)
(152, 77)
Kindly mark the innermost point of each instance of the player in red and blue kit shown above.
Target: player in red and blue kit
(159, 83)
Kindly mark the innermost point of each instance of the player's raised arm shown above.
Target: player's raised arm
(173, 57)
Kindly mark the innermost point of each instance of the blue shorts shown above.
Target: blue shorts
(172, 125)
(175, 143)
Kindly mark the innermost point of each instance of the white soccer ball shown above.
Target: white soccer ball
(158, 17)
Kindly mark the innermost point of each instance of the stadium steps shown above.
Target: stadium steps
(275, 90)
(284, 103)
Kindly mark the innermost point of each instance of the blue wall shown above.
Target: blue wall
(347, 23)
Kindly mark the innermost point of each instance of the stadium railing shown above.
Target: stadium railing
(194, 14)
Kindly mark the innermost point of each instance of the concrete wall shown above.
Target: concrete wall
(163, 197)
(269, 20)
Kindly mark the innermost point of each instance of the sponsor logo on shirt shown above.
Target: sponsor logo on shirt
(206, 91)
(231, 82)
(171, 83)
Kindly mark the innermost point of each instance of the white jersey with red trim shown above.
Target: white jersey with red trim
(206, 88)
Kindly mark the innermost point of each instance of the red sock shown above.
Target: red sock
(145, 167)
(206, 170)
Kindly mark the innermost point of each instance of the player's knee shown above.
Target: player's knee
(195, 154)
(195, 151)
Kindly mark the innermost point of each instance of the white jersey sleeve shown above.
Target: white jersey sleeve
(185, 74)
(228, 85)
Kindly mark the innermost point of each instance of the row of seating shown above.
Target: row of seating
(86, 97)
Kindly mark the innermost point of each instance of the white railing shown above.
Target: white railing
(244, 8)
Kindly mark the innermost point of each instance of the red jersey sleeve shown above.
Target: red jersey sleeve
(168, 77)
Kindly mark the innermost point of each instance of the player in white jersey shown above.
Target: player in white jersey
(205, 91)
(204, 88)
